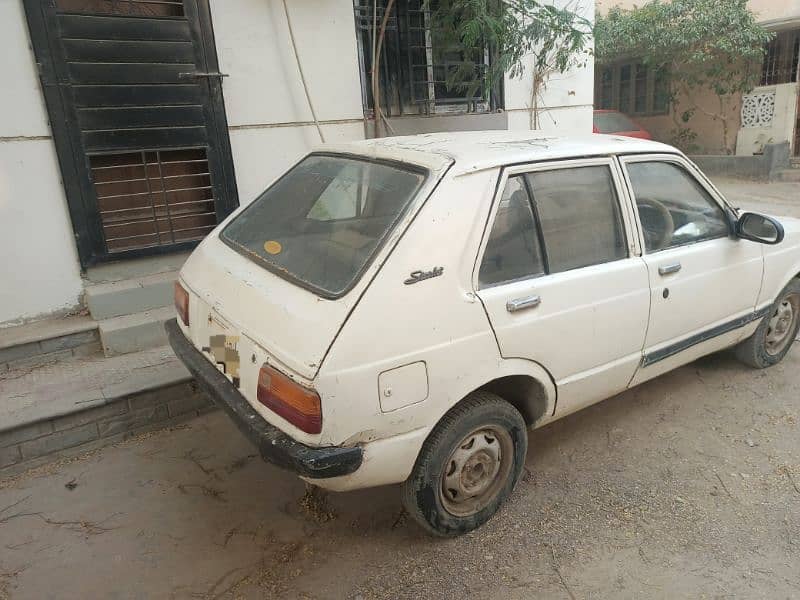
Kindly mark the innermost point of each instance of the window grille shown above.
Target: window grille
(782, 59)
(414, 67)
(633, 88)
(154, 198)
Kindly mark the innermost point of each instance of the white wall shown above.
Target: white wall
(39, 270)
(268, 114)
(751, 140)
(568, 100)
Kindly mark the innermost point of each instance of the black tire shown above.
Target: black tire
(480, 415)
(756, 351)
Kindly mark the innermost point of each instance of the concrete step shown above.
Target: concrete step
(47, 341)
(129, 296)
(135, 332)
(82, 403)
(131, 269)
(787, 175)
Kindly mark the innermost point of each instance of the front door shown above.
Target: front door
(704, 281)
(561, 281)
(135, 103)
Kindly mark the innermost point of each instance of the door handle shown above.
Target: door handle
(519, 304)
(669, 269)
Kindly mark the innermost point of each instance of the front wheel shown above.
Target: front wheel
(468, 466)
(774, 336)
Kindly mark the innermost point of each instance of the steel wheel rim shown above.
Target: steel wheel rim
(781, 326)
(476, 471)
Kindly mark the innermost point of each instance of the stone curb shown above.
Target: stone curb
(116, 419)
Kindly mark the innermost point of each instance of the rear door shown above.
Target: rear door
(560, 278)
(704, 281)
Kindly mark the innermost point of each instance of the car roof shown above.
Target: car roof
(473, 151)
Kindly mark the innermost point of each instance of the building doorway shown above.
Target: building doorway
(134, 95)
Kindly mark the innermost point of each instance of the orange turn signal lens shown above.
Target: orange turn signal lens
(295, 403)
(182, 303)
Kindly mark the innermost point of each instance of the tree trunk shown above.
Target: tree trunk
(534, 105)
(376, 85)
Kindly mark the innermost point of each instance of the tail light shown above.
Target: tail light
(295, 403)
(182, 303)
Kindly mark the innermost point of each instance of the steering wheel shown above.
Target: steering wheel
(657, 223)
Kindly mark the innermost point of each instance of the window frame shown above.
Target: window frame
(537, 227)
(419, 197)
(623, 200)
(651, 88)
(730, 213)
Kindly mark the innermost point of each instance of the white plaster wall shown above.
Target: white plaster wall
(268, 114)
(567, 102)
(39, 270)
(262, 155)
(752, 139)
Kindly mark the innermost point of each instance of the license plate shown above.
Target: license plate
(223, 349)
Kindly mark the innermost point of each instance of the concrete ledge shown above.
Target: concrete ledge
(132, 333)
(30, 444)
(132, 269)
(414, 124)
(45, 341)
(762, 167)
(117, 298)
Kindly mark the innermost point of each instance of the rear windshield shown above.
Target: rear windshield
(613, 122)
(322, 222)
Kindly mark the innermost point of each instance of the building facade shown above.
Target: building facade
(770, 114)
(129, 128)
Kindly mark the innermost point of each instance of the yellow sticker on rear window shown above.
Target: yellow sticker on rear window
(272, 247)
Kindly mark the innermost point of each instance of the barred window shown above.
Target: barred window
(415, 65)
(633, 89)
(782, 59)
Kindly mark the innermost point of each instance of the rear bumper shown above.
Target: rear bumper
(274, 445)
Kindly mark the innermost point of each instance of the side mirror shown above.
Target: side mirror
(759, 228)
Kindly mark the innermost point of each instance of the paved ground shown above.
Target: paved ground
(780, 199)
(688, 486)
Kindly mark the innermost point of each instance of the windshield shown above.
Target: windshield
(612, 122)
(322, 222)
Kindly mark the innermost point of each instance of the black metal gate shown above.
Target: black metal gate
(135, 102)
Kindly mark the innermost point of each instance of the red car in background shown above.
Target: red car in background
(614, 122)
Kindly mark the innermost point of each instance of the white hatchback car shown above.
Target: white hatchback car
(402, 310)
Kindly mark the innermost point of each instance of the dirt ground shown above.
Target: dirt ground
(688, 486)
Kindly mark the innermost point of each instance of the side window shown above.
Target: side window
(673, 207)
(580, 217)
(513, 250)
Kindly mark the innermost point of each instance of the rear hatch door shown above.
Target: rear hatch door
(285, 272)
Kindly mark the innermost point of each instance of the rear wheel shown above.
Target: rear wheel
(468, 466)
(774, 336)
